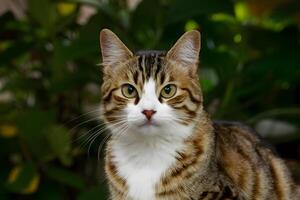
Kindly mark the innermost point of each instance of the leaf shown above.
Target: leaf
(182, 10)
(209, 79)
(65, 177)
(14, 51)
(86, 44)
(43, 12)
(60, 143)
(282, 65)
(32, 126)
(149, 12)
(23, 179)
(8, 130)
(191, 25)
(32, 123)
(65, 8)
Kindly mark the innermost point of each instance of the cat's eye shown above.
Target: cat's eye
(168, 91)
(129, 91)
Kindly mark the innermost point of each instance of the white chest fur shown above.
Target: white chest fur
(142, 161)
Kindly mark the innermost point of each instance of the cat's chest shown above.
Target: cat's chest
(143, 168)
(141, 182)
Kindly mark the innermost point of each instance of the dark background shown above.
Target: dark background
(50, 81)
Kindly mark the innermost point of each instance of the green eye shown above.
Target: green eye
(129, 91)
(168, 91)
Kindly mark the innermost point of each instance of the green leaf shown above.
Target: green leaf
(86, 45)
(15, 50)
(282, 65)
(60, 143)
(20, 178)
(182, 10)
(209, 79)
(32, 126)
(32, 123)
(43, 12)
(65, 177)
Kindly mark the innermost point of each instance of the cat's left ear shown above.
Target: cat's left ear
(113, 49)
(187, 48)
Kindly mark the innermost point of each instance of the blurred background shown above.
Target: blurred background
(50, 81)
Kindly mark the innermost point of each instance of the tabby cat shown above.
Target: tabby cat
(164, 146)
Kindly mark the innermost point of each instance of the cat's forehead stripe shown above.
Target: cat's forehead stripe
(149, 64)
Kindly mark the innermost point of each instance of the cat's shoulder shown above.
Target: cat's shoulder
(235, 138)
(233, 126)
(231, 133)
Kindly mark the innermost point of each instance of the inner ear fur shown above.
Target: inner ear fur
(113, 50)
(186, 50)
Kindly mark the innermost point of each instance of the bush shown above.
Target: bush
(50, 80)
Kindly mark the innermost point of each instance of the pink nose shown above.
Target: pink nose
(149, 113)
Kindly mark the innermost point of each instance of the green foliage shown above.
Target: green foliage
(60, 143)
(49, 80)
(24, 176)
(65, 177)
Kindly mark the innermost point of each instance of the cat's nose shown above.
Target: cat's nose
(148, 113)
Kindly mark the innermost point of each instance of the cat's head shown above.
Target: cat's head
(150, 92)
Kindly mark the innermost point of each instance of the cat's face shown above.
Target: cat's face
(150, 92)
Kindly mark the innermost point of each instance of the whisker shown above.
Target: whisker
(82, 115)
(92, 138)
(106, 138)
(84, 122)
(102, 124)
(99, 125)
(101, 145)
(104, 128)
(86, 133)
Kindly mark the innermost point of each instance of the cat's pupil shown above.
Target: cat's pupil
(167, 89)
(130, 89)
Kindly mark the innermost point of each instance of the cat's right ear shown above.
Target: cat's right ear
(112, 48)
(186, 49)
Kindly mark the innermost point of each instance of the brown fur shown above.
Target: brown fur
(220, 160)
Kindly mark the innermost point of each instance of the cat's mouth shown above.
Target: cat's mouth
(148, 123)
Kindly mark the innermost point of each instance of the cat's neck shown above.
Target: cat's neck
(141, 160)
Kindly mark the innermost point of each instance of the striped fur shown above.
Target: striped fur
(215, 161)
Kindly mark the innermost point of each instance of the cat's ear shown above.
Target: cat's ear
(187, 48)
(112, 48)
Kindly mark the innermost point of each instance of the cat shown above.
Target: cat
(164, 146)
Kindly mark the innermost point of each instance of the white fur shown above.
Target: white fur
(143, 153)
